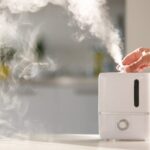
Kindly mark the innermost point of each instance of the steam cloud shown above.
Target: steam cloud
(91, 14)
(88, 14)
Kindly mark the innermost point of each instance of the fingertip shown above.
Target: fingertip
(128, 69)
(132, 57)
(125, 61)
(135, 67)
(128, 59)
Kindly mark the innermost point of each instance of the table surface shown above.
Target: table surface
(72, 142)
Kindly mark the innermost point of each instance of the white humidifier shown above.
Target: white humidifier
(124, 105)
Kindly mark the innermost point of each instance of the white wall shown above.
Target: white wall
(137, 24)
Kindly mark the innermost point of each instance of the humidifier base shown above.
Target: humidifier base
(124, 126)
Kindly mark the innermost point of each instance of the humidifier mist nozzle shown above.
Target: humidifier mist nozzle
(121, 68)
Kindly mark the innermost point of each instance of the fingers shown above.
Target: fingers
(142, 63)
(134, 56)
(134, 67)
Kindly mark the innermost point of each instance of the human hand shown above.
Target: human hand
(137, 60)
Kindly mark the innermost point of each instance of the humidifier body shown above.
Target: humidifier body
(124, 105)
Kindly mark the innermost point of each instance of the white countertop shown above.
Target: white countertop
(72, 142)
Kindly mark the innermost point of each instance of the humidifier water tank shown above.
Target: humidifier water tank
(124, 105)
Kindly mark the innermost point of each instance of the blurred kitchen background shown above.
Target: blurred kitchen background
(65, 100)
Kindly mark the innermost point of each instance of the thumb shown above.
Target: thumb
(136, 66)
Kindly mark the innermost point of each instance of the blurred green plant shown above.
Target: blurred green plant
(6, 55)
